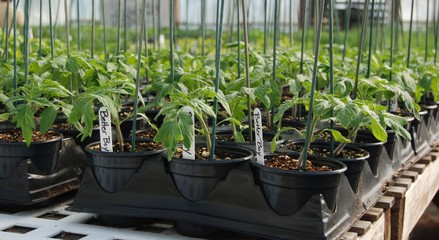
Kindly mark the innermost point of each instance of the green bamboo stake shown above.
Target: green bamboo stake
(136, 16)
(410, 36)
(426, 32)
(436, 39)
(203, 26)
(302, 161)
(92, 28)
(370, 39)
(79, 25)
(26, 40)
(154, 25)
(331, 68)
(14, 26)
(290, 21)
(52, 42)
(186, 25)
(360, 48)
(383, 35)
(68, 46)
(265, 25)
(304, 26)
(139, 65)
(40, 37)
(247, 72)
(104, 26)
(171, 36)
(346, 28)
(125, 28)
(6, 21)
(219, 35)
(118, 27)
(392, 23)
(238, 34)
(159, 20)
(275, 42)
(336, 20)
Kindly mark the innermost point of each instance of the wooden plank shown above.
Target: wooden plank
(361, 227)
(397, 219)
(385, 202)
(376, 231)
(418, 167)
(419, 196)
(426, 160)
(349, 236)
(410, 174)
(373, 214)
(434, 155)
(403, 182)
(387, 224)
(396, 192)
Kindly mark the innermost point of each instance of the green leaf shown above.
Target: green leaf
(47, 118)
(186, 125)
(337, 135)
(378, 131)
(5, 116)
(25, 121)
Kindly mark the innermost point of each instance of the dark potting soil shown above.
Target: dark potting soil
(140, 147)
(286, 162)
(231, 138)
(16, 136)
(149, 134)
(66, 126)
(323, 152)
(201, 153)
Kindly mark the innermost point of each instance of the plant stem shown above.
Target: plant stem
(307, 143)
(120, 137)
(350, 136)
(205, 129)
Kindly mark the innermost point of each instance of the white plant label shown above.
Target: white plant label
(394, 104)
(190, 153)
(105, 130)
(259, 139)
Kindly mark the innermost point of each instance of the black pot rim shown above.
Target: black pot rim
(240, 149)
(58, 138)
(322, 144)
(342, 168)
(126, 154)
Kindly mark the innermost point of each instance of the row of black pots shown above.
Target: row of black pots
(39, 172)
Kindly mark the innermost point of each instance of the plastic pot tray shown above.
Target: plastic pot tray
(236, 203)
(22, 188)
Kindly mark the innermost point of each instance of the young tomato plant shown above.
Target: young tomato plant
(39, 97)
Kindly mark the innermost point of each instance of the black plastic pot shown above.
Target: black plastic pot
(41, 157)
(195, 179)
(354, 165)
(288, 191)
(369, 143)
(114, 169)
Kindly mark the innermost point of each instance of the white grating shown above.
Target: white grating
(55, 222)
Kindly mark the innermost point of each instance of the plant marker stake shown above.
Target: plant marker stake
(313, 86)
(139, 64)
(259, 138)
(247, 71)
(219, 35)
(6, 30)
(190, 153)
(393, 103)
(360, 48)
(370, 39)
(290, 21)
(238, 34)
(410, 36)
(346, 28)
(171, 37)
(105, 131)
(265, 25)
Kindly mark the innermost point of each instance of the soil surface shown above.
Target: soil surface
(16, 136)
(230, 138)
(148, 134)
(324, 152)
(140, 147)
(286, 162)
(201, 153)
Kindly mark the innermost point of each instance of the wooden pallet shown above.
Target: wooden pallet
(413, 192)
